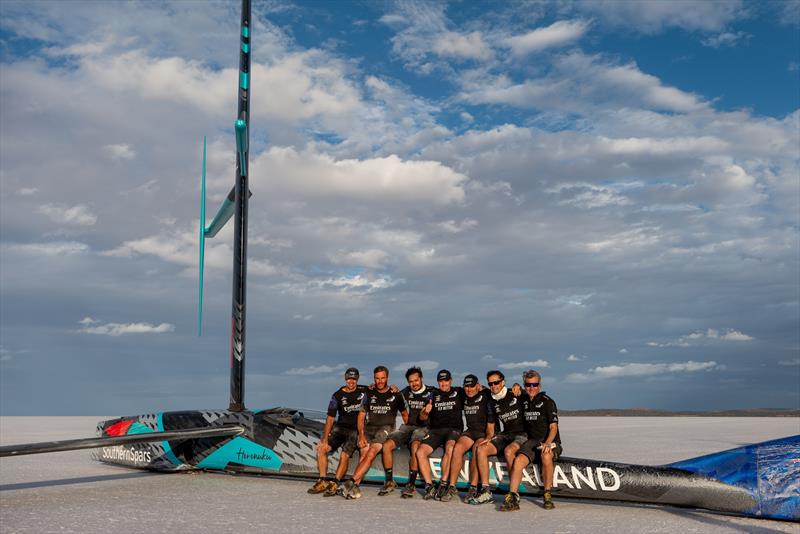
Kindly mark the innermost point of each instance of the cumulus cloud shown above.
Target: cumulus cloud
(641, 369)
(377, 180)
(557, 34)
(726, 39)
(27, 191)
(53, 248)
(532, 364)
(79, 215)
(573, 358)
(462, 46)
(653, 17)
(120, 151)
(700, 338)
(317, 369)
(425, 365)
(92, 326)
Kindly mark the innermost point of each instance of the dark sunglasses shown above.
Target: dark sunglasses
(531, 384)
(495, 382)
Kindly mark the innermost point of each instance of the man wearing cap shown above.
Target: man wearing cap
(416, 396)
(376, 420)
(479, 419)
(444, 415)
(543, 445)
(508, 415)
(346, 403)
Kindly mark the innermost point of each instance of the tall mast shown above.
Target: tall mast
(242, 127)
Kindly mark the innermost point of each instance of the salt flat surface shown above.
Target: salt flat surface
(69, 492)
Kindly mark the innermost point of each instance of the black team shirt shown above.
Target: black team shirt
(446, 410)
(382, 408)
(540, 411)
(346, 405)
(508, 411)
(415, 402)
(478, 411)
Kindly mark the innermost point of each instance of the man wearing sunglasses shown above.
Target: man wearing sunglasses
(508, 414)
(543, 445)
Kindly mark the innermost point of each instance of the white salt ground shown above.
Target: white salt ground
(68, 492)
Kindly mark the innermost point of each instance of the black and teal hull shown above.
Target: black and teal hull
(761, 480)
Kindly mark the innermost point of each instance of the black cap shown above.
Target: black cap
(444, 374)
(351, 373)
(470, 380)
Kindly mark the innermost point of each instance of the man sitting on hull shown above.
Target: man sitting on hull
(376, 421)
(416, 396)
(508, 414)
(543, 445)
(446, 424)
(346, 403)
(479, 419)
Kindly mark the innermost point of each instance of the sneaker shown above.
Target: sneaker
(441, 489)
(408, 491)
(318, 487)
(353, 491)
(387, 488)
(333, 489)
(448, 494)
(471, 493)
(548, 501)
(430, 492)
(511, 503)
(347, 486)
(483, 497)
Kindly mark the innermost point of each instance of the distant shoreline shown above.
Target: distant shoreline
(646, 412)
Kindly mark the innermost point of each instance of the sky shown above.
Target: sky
(605, 191)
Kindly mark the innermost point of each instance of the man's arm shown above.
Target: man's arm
(404, 415)
(362, 436)
(552, 416)
(326, 432)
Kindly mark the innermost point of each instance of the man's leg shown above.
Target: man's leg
(423, 452)
(387, 457)
(366, 462)
(485, 495)
(511, 502)
(473, 466)
(351, 489)
(322, 466)
(341, 469)
(548, 468)
(410, 489)
(457, 459)
(510, 453)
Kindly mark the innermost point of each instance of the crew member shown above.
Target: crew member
(346, 402)
(479, 419)
(444, 413)
(508, 414)
(376, 420)
(416, 396)
(543, 445)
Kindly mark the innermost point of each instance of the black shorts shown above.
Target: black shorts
(474, 435)
(503, 440)
(408, 433)
(346, 438)
(531, 449)
(438, 437)
(377, 434)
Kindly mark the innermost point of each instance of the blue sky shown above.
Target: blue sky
(608, 192)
